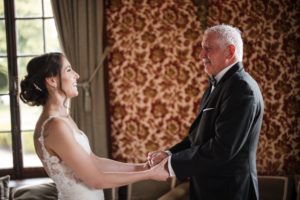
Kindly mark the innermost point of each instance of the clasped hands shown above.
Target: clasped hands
(158, 161)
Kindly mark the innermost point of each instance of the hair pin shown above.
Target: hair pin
(37, 87)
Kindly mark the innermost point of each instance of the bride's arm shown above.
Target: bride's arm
(61, 142)
(108, 165)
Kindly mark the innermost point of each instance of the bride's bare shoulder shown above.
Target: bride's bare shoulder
(57, 126)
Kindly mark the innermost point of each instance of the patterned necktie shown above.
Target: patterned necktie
(212, 80)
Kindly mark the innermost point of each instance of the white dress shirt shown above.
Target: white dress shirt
(221, 74)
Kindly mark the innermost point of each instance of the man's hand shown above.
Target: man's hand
(156, 157)
(160, 172)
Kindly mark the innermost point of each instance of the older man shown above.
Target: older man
(219, 154)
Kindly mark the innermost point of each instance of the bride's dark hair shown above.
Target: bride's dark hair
(33, 88)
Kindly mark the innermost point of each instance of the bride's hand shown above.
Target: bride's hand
(159, 171)
(145, 166)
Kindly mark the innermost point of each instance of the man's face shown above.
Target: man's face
(213, 54)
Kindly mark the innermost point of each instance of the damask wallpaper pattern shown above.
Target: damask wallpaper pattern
(271, 32)
(156, 79)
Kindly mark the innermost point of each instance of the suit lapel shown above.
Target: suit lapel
(203, 101)
(237, 67)
(207, 96)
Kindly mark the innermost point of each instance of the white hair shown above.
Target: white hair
(230, 35)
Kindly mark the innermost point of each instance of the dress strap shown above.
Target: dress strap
(48, 158)
(41, 138)
(44, 123)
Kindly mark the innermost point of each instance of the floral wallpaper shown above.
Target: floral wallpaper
(271, 32)
(156, 80)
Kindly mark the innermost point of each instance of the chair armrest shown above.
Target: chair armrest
(180, 192)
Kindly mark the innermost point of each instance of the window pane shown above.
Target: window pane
(22, 64)
(28, 8)
(5, 134)
(6, 160)
(30, 159)
(29, 116)
(27, 123)
(4, 113)
(3, 76)
(48, 8)
(52, 42)
(2, 38)
(1, 8)
(29, 37)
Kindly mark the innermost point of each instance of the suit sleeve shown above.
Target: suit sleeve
(184, 144)
(232, 127)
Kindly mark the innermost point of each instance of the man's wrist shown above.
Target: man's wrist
(168, 152)
(170, 169)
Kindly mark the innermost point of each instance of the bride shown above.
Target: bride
(62, 147)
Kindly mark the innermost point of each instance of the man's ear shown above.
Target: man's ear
(52, 82)
(230, 51)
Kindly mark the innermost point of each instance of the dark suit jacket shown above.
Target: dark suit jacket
(219, 154)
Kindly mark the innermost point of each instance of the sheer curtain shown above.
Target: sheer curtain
(80, 29)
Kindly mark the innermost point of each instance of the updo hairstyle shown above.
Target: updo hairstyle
(33, 86)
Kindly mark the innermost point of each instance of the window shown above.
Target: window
(27, 29)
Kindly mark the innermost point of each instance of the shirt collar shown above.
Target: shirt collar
(221, 73)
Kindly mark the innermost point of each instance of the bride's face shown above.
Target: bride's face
(68, 79)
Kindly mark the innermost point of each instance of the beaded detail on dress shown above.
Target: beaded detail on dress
(68, 185)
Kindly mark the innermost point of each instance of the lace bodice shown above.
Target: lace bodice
(69, 187)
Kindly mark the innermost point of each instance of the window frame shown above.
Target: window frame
(18, 171)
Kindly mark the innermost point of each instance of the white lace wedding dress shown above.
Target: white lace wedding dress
(69, 187)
